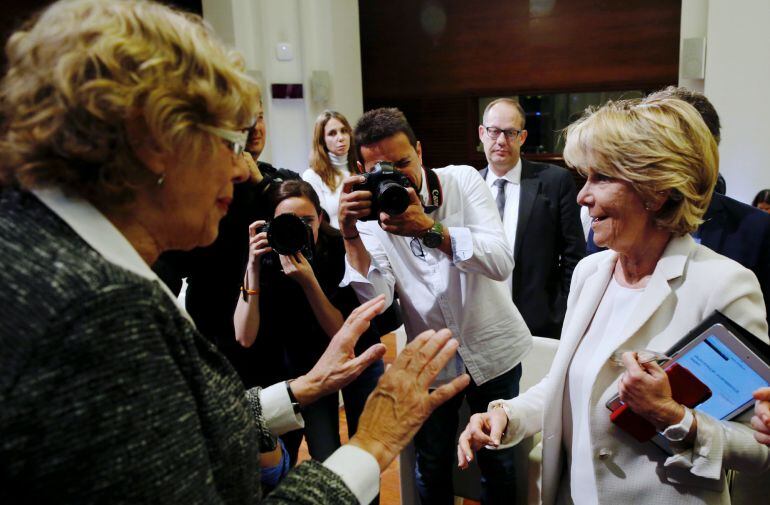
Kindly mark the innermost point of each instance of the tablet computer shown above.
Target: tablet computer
(729, 367)
(727, 358)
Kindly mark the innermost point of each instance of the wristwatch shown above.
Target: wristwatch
(678, 432)
(434, 236)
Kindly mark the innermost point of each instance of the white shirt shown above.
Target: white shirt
(617, 305)
(330, 199)
(464, 292)
(511, 211)
(357, 468)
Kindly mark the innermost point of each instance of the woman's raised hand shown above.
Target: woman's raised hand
(402, 402)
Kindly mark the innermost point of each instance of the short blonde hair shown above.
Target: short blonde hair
(659, 145)
(84, 68)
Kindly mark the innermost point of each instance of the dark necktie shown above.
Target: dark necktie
(500, 200)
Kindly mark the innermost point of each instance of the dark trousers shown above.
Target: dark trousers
(436, 447)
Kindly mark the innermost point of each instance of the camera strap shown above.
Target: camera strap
(435, 194)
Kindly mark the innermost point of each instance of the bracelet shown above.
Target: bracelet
(293, 399)
(352, 237)
(246, 292)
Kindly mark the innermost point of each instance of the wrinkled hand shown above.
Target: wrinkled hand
(298, 268)
(258, 246)
(646, 390)
(761, 419)
(401, 402)
(411, 223)
(338, 366)
(354, 205)
(485, 428)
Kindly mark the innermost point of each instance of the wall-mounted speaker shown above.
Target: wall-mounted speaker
(320, 86)
(693, 62)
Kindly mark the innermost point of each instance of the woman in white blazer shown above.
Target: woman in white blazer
(651, 166)
(332, 159)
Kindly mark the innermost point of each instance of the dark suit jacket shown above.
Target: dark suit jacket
(735, 230)
(549, 243)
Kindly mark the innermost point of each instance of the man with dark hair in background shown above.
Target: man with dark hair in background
(730, 228)
(447, 260)
(537, 203)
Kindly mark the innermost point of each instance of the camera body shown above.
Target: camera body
(388, 188)
(289, 234)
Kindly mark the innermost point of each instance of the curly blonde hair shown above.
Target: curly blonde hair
(83, 68)
(660, 145)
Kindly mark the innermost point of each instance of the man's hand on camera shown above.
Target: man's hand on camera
(339, 366)
(354, 205)
(412, 223)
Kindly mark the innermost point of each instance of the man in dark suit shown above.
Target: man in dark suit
(731, 228)
(538, 207)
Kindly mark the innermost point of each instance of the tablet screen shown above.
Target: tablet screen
(731, 381)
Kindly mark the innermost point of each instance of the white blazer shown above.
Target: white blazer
(689, 282)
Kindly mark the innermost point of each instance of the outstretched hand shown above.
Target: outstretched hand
(338, 366)
(402, 402)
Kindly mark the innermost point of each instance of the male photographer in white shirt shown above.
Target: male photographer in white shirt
(447, 256)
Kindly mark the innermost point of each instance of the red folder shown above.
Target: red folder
(686, 389)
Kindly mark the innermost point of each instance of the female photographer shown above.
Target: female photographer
(305, 308)
(332, 158)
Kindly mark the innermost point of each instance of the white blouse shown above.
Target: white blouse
(330, 199)
(617, 305)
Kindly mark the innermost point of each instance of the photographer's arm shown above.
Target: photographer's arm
(326, 314)
(247, 318)
(354, 205)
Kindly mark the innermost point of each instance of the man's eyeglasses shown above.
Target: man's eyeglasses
(235, 139)
(493, 132)
(416, 248)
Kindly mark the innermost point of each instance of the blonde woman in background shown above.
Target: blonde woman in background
(332, 159)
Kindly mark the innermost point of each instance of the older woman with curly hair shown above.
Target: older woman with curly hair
(123, 124)
(651, 166)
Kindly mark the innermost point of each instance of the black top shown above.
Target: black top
(215, 273)
(214, 277)
(287, 318)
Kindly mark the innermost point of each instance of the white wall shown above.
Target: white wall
(324, 37)
(737, 82)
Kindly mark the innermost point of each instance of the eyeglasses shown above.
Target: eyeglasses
(235, 139)
(416, 248)
(493, 132)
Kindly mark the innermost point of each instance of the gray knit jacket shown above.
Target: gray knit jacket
(108, 394)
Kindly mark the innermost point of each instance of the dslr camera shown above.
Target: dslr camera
(388, 187)
(289, 234)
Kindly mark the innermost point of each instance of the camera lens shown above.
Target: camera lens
(393, 198)
(287, 234)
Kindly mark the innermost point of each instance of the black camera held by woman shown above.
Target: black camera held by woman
(388, 187)
(289, 234)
